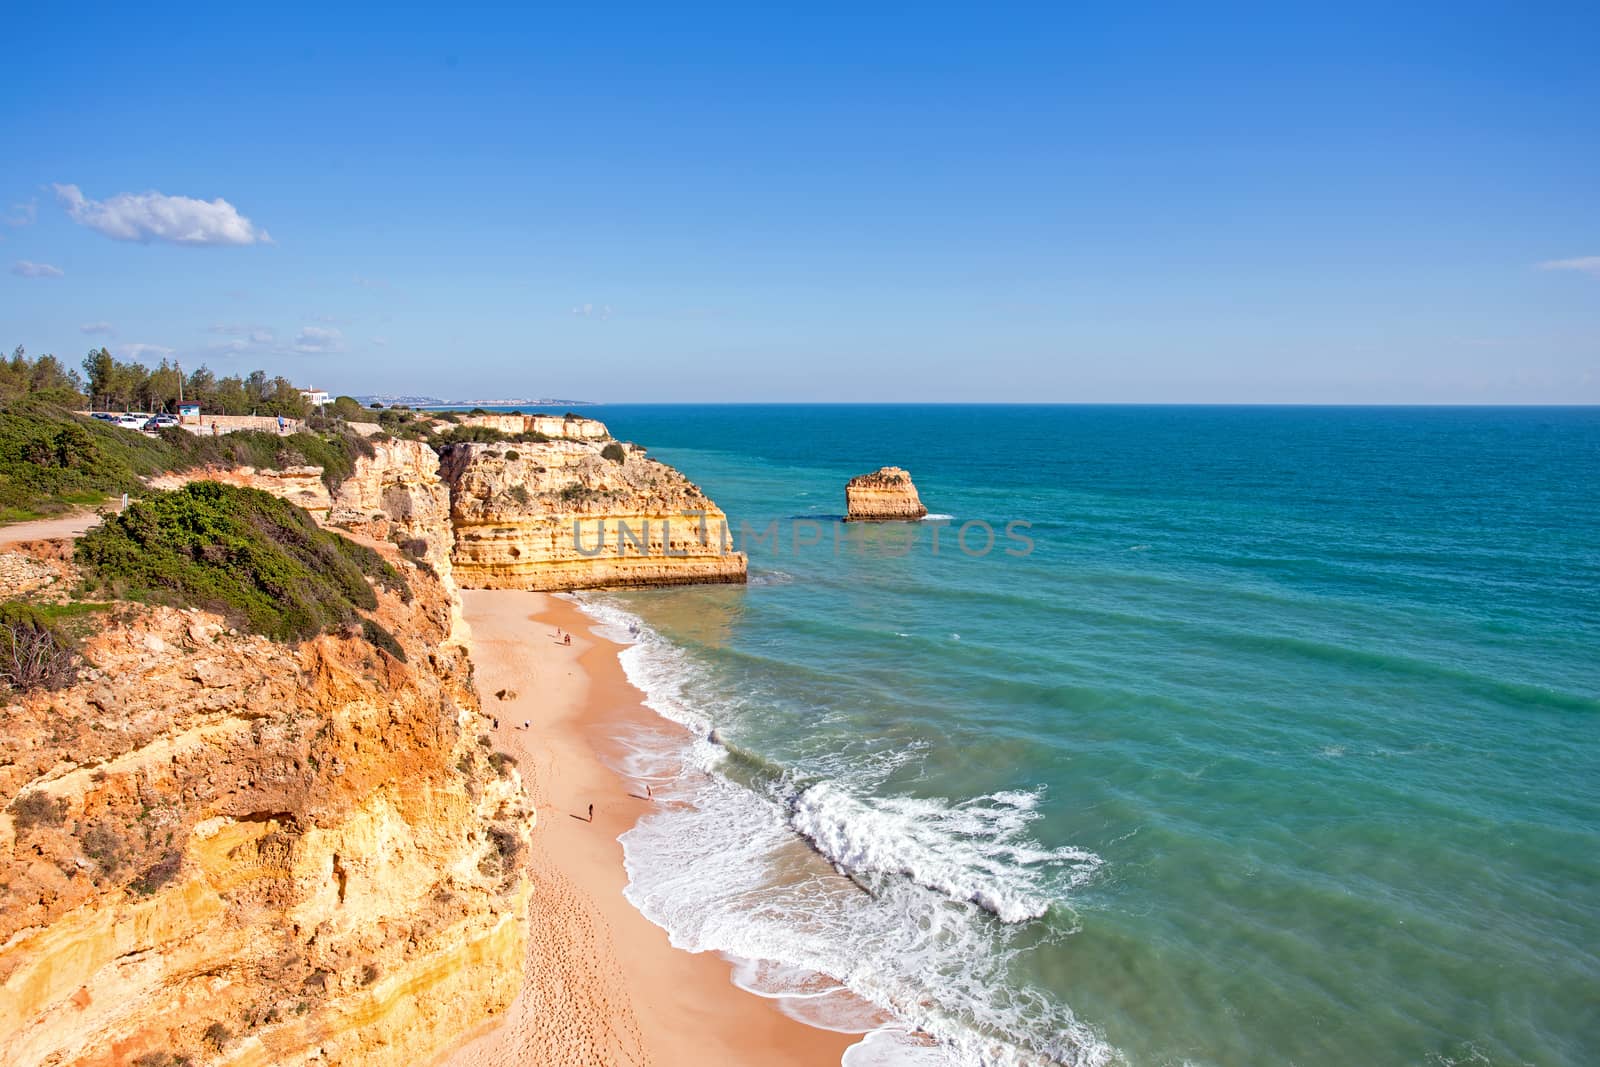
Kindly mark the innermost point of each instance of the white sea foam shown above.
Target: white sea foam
(904, 944)
(974, 851)
(934, 516)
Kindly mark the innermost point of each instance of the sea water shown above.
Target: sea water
(1278, 745)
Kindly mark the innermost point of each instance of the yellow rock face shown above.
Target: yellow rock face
(885, 494)
(245, 852)
(561, 515)
(554, 515)
(565, 426)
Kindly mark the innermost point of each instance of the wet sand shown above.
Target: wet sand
(604, 985)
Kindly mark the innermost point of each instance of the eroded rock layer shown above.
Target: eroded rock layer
(885, 494)
(226, 849)
(570, 427)
(572, 514)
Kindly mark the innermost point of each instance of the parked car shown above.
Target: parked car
(104, 416)
(132, 422)
(160, 421)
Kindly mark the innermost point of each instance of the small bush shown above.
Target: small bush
(104, 843)
(513, 454)
(34, 653)
(37, 808)
(415, 547)
(507, 850)
(519, 493)
(218, 1036)
(369, 973)
(614, 452)
(503, 763)
(159, 873)
(381, 638)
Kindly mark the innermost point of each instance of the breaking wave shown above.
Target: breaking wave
(895, 917)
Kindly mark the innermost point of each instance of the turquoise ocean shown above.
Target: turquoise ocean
(1280, 746)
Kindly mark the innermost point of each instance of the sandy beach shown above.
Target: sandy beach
(604, 985)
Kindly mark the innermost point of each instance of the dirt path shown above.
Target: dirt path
(73, 525)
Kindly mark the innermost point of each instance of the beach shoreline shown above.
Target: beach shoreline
(603, 984)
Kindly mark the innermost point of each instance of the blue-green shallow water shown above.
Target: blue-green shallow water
(1287, 725)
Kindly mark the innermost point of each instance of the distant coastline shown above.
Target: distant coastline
(388, 400)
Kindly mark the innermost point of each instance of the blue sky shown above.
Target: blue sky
(691, 203)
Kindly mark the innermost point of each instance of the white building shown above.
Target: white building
(315, 397)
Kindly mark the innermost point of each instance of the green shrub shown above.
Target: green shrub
(348, 408)
(51, 459)
(261, 561)
(614, 453)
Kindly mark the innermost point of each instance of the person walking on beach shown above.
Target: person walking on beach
(526, 724)
(280, 425)
(591, 813)
(648, 795)
(566, 639)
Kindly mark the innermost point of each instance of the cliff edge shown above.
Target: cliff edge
(222, 849)
(573, 514)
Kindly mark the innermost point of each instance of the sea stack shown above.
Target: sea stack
(885, 495)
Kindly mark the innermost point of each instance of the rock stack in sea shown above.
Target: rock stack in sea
(885, 495)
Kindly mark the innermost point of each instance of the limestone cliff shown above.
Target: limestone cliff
(571, 427)
(579, 511)
(221, 848)
(572, 514)
(885, 494)
(396, 494)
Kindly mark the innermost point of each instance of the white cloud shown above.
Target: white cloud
(155, 216)
(28, 269)
(315, 340)
(96, 327)
(256, 335)
(22, 214)
(592, 311)
(243, 338)
(140, 351)
(1582, 264)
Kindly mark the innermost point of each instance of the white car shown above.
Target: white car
(132, 422)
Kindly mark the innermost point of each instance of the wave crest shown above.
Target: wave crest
(976, 850)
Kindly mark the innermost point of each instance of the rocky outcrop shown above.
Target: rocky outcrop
(574, 512)
(220, 848)
(396, 494)
(884, 495)
(566, 427)
(575, 515)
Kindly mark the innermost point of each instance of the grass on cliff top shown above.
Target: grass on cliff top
(51, 459)
(260, 561)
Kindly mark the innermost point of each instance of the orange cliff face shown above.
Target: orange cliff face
(220, 847)
(564, 514)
